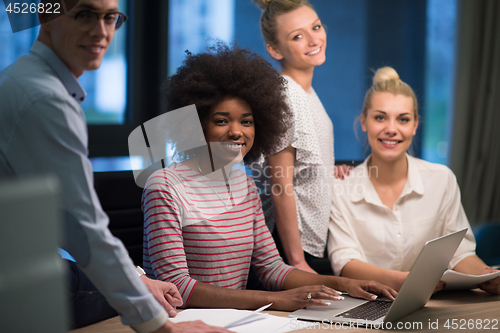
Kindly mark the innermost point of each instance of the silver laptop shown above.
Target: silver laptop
(414, 294)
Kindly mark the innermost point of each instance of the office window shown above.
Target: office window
(121, 163)
(106, 101)
(13, 44)
(105, 87)
(440, 64)
(194, 24)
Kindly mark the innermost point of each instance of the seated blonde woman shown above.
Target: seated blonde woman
(393, 203)
(203, 221)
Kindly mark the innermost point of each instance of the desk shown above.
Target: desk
(445, 305)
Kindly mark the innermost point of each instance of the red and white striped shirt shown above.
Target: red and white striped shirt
(197, 230)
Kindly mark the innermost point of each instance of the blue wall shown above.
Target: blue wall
(362, 35)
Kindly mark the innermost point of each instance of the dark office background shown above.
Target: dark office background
(362, 36)
(419, 38)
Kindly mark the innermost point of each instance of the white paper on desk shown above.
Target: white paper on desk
(456, 281)
(221, 317)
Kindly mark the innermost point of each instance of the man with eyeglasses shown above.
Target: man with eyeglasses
(43, 130)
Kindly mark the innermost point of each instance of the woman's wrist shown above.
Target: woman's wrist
(270, 297)
(337, 282)
(295, 260)
(398, 279)
(292, 250)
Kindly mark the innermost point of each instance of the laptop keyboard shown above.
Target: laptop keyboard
(368, 311)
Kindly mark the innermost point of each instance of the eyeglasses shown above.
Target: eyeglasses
(87, 18)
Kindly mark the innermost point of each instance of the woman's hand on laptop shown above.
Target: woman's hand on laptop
(298, 298)
(440, 286)
(368, 289)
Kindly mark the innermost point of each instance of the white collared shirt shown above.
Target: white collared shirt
(363, 228)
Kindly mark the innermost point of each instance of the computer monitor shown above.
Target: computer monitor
(32, 278)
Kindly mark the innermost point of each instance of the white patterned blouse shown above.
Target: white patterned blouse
(312, 137)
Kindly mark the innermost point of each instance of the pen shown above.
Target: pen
(262, 308)
(246, 319)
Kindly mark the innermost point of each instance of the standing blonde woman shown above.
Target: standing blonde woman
(295, 182)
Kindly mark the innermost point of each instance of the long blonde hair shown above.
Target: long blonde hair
(271, 9)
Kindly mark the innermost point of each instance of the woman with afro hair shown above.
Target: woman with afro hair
(203, 221)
